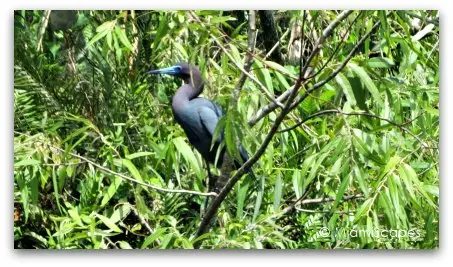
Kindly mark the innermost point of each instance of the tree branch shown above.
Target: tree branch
(271, 107)
(337, 70)
(104, 169)
(329, 111)
(227, 162)
(260, 85)
(212, 210)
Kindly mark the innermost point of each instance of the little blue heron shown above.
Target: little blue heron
(198, 116)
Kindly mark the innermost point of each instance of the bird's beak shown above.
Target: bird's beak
(174, 70)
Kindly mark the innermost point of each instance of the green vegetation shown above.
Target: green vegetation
(99, 160)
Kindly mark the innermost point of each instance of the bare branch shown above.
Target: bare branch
(212, 209)
(42, 29)
(337, 70)
(271, 107)
(329, 111)
(260, 85)
(104, 169)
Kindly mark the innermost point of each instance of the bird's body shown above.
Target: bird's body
(197, 116)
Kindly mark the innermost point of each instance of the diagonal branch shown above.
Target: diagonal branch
(227, 161)
(106, 170)
(212, 210)
(271, 107)
(337, 70)
(330, 111)
(260, 85)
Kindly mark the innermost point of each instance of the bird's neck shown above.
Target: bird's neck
(182, 97)
(195, 81)
(192, 87)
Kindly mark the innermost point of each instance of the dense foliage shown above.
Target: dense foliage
(92, 130)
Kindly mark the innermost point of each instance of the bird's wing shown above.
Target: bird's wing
(209, 119)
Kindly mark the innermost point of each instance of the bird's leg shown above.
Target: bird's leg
(211, 180)
(211, 184)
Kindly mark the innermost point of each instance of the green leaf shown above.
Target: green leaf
(368, 82)
(181, 49)
(222, 19)
(102, 31)
(130, 166)
(231, 136)
(27, 162)
(340, 193)
(279, 68)
(278, 192)
(121, 34)
(139, 154)
(166, 241)
(187, 154)
(124, 245)
(111, 190)
(347, 89)
(235, 54)
(363, 209)
(380, 62)
(75, 216)
(109, 223)
(259, 199)
(241, 197)
(121, 212)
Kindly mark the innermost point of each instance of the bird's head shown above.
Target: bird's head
(185, 71)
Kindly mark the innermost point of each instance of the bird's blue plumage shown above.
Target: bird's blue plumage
(197, 116)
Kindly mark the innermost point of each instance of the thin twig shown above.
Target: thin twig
(142, 220)
(337, 70)
(276, 45)
(145, 223)
(110, 242)
(271, 107)
(329, 111)
(102, 168)
(328, 199)
(248, 61)
(212, 210)
(260, 85)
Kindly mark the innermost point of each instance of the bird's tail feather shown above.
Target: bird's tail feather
(245, 157)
